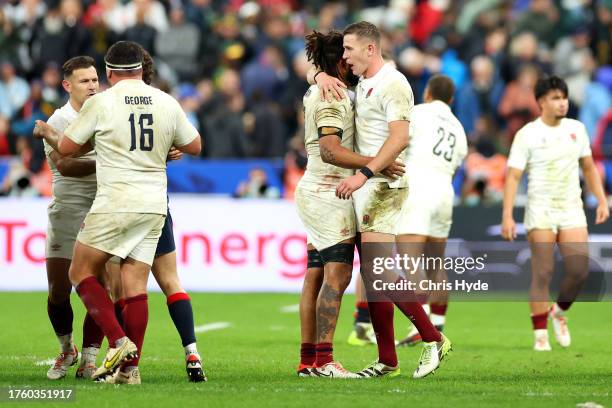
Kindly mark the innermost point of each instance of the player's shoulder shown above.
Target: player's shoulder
(165, 98)
(62, 116)
(312, 98)
(396, 78)
(535, 126)
(572, 124)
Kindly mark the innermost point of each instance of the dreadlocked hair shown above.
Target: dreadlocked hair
(325, 51)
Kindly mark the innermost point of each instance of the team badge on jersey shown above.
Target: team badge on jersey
(573, 135)
(369, 92)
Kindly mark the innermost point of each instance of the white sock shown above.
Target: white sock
(426, 308)
(437, 320)
(557, 311)
(541, 333)
(90, 354)
(66, 343)
(120, 341)
(191, 349)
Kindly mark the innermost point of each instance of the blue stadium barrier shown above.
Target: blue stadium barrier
(219, 176)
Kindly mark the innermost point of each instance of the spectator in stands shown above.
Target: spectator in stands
(179, 46)
(14, 88)
(221, 117)
(146, 12)
(542, 19)
(141, 31)
(111, 13)
(266, 76)
(523, 50)
(480, 96)
(518, 105)
(8, 39)
(256, 186)
(485, 170)
(597, 100)
(5, 140)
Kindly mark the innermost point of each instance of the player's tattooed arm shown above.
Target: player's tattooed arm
(593, 182)
(333, 152)
(73, 167)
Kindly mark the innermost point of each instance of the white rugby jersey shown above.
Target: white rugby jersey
(437, 146)
(381, 99)
(317, 114)
(69, 190)
(133, 126)
(551, 155)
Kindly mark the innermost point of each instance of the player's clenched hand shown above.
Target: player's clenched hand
(40, 129)
(602, 213)
(509, 229)
(349, 185)
(395, 170)
(330, 87)
(174, 154)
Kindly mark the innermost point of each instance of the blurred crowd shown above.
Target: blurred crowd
(239, 69)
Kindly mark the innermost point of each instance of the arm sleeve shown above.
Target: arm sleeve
(85, 124)
(330, 114)
(461, 149)
(585, 142)
(519, 152)
(185, 132)
(398, 101)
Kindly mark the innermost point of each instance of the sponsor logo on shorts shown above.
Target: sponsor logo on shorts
(56, 247)
(366, 219)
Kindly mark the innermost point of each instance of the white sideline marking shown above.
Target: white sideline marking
(589, 404)
(45, 362)
(290, 308)
(212, 326)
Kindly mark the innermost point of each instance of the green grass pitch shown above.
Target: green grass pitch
(252, 362)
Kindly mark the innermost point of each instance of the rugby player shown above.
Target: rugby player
(384, 101)
(74, 189)
(329, 128)
(553, 149)
(128, 212)
(437, 147)
(165, 273)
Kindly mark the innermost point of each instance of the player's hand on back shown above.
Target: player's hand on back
(509, 229)
(395, 170)
(350, 185)
(174, 154)
(330, 87)
(602, 213)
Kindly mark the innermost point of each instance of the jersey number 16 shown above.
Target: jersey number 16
(146, 134)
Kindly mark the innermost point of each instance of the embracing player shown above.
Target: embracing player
(437, 147)
(74, 189)
(329, 128)
(164, 271)
(384, 101)
(552, 149)
(128, 212)
(164, 265)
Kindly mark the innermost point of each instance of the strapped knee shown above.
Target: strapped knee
(314, 259)
(341, 253)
